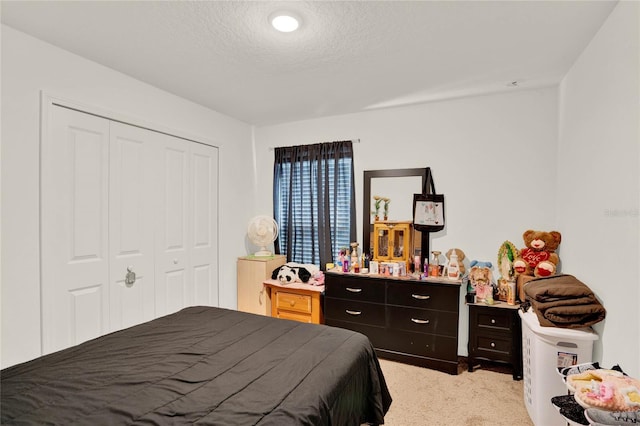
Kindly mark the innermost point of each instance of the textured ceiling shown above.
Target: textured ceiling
(347, 56)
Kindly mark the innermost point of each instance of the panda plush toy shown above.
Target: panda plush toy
(294, 272)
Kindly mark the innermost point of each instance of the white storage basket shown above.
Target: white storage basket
(544, 349)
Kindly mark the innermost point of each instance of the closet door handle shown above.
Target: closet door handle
(130, 278)
(420, 297)
(355, 313)
(420, 321)
(354, 290)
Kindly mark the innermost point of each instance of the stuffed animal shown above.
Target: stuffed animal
(318, 278)
(481, 279)
(292, 272)
(461, 257)
(538, 258)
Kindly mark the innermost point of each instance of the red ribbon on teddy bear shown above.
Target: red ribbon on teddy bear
(533, 257)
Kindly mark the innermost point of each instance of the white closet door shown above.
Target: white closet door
(134, 157)
(74, 220)
(204, 223)
(119, 200)
(187, 252)
(174, 284)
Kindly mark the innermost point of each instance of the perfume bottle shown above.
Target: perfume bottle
(434, 266)
(354, 254)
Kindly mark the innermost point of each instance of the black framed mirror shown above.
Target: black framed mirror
(407, 182)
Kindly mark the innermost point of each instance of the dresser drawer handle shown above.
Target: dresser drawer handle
(420, 297)
(420, 321)
(493, 321)
(353, 312)
(493, 345)
(354, 290)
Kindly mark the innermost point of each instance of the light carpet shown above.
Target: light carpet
(424, 397)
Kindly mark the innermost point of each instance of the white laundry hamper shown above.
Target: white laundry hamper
(544, 349)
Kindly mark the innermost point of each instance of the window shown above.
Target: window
(313, 199)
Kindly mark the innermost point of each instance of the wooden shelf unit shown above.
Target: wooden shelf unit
(392, 241)
(252, 271)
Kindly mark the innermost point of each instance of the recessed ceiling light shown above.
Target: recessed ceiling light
(284, 22)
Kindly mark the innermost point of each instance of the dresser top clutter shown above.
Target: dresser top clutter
(408, 278)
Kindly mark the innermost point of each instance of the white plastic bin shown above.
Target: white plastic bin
(544, 349)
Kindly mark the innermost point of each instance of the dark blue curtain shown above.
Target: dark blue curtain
(314, 201)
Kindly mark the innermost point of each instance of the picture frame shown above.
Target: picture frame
(428, 212)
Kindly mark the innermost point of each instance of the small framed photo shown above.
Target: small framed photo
(428, 213)
(373, 267)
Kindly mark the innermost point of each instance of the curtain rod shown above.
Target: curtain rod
(271, 148)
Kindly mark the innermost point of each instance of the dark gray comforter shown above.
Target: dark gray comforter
(206, 366)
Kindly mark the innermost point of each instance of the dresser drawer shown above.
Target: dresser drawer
(354, 288)
(423, 320)
(427, 296)
(293, 302)
(376, 334)
(354, 311)
(425, 345)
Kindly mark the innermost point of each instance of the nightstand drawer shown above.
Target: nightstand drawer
(494, 347)
(496, 319)
(293, 302)
(294, 316)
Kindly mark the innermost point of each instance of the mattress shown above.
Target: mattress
(207, 366)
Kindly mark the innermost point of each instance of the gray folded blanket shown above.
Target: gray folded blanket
(563, 301)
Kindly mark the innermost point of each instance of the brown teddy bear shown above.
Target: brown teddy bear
(538, 258)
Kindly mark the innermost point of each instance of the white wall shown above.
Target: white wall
(506, 163)
(599, 182)
(29, 66)
(494, 158)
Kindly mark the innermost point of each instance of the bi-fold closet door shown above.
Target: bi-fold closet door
(129, 226)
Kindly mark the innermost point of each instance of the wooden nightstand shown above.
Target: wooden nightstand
(296, 301)
(495, 334)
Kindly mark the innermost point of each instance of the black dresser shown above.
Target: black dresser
(415, 322)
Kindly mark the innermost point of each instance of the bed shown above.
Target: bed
(206, 366)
